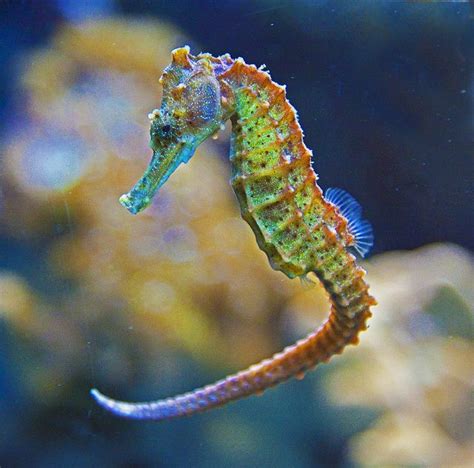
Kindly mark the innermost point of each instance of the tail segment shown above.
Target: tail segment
(340, 329)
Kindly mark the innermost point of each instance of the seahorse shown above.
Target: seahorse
(300, 229)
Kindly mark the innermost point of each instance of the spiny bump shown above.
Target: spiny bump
(178, 91)
(154, 114)
(180, 57)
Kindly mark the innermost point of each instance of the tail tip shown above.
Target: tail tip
(121, 408)
(98, 397)
(107, 403)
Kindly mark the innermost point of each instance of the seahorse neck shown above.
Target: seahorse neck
(260, 112)
(240, 80)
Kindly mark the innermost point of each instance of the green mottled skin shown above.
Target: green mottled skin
(279, 198)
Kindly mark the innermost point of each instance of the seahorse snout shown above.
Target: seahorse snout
(134, 204)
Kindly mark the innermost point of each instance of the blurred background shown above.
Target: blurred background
(150, 306)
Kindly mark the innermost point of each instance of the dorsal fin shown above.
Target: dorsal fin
(350, 208)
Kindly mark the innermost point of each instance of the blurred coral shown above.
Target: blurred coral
(16, 300)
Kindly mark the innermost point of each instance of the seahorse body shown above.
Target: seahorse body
(298, 229)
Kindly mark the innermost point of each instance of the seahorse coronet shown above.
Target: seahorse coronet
(276, 187)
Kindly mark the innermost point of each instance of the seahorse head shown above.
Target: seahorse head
(190, 112)
(191, 103)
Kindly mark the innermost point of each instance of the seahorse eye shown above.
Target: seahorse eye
(161, 133)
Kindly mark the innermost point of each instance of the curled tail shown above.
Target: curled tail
(340, 329)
